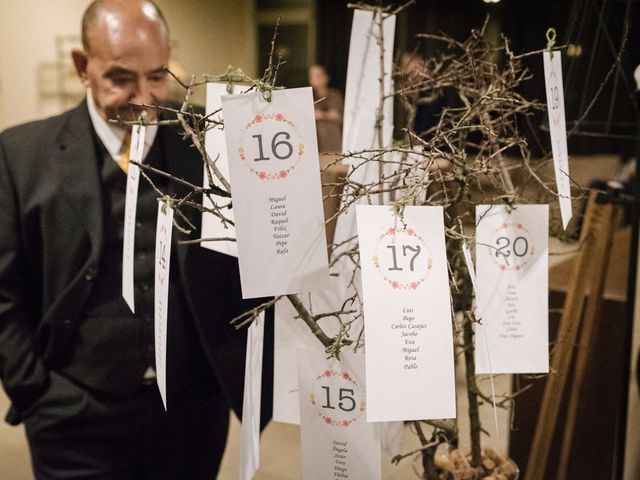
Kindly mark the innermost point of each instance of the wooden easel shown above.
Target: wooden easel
(577, 323)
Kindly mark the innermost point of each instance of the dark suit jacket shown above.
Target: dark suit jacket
(50, 246)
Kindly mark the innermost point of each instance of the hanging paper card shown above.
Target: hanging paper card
(478, 313)
(407, 314)
(512, 284)
(391, 438)
(161, 294)
(250, 449)
(130, 206)
(277, 200)
(215, 144)
(362, 94)
(558, 129)
(291, 334)
(337, 441)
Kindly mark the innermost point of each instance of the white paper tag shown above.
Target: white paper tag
(130, 207)
(362, 93)
(216, 147)
(161, 294)
(250, 449)
(478, 313)
(558, 130)
(472, 271)
(138, 133)
(407, 314)
(512, 280)
(337, 442)
(277, 198)
(391, 437)
(292, 334)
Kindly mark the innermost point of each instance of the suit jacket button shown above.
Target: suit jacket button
(90, 274)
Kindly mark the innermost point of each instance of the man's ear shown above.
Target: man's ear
(80, 61)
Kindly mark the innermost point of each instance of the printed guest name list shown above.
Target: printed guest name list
(512, 264)
(275, 186)
(407, 314)
(337, 442)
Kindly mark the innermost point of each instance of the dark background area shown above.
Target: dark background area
(595, 26)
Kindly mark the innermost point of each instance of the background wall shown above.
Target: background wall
(208, 35)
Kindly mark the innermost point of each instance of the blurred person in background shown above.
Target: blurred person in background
(329, 108)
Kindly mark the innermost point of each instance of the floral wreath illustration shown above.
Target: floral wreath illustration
(282, 173)
(335, 422)
(411, 285)
(512, 264)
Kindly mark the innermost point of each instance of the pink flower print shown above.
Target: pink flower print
(279, 117)
(262, 176)
(327, 373)
(519, 225)
(394, 284)
(410, 231)
(391, 231)
(258, 118)
(503, 267)
(345, 423)
(518, 267)
(413, 285)
(327, 420)
(345, 375)
(283, 174)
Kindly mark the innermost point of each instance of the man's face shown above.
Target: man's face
(125, 64)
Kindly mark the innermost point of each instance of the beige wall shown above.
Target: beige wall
(208, 36)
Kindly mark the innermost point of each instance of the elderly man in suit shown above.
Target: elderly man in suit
(77, 365)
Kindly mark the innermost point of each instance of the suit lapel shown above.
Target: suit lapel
(182, 159)
(77, 168)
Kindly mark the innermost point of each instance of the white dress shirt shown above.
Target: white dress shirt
(111, 134)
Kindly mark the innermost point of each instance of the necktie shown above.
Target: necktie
(125, 149)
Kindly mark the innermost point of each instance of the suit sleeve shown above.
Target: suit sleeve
(23, 376)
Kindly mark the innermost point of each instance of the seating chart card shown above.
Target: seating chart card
(292, 334)
(337, 441)
(407, 314)
(277, 199)
(558, 130)
(512, 265)
(130, 207)
(216, 147)
(161, 294)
